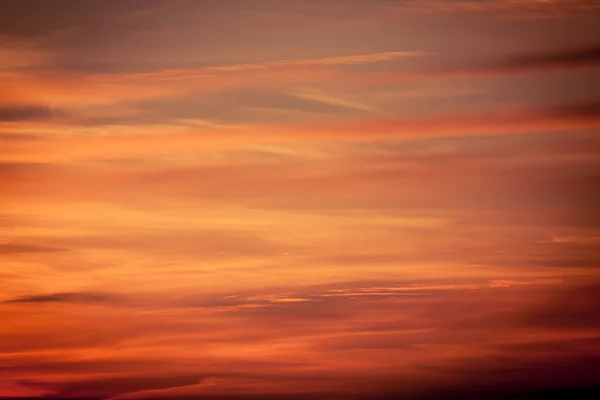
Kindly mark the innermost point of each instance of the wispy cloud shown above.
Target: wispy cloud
(262, 199)
(325, 61)
(22, 53)
(176, 137)
(14, 248)
(326, 98)
(505, 9)
(25, 113)
(74, 297)
(576, 57)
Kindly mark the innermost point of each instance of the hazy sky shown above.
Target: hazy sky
(317, 199)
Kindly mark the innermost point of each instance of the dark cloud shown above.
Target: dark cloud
(51, 398)
(38, 17)
(501, 393)
(567, 393)
(97, 366)
(106, 387)
(16, 137)
(514, 368)
(591, 109)
(15, 248)
(68, 297)
(521, 378)
(25, 167)
(517, 63)
(25, 113)
(570, 57)
(572, 307)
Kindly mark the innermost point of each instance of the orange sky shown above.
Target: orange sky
(268, 199)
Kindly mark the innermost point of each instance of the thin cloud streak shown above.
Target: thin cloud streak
(504, 9)
(568, 117)
(343, 60)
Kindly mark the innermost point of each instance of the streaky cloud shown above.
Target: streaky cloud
(66, 297)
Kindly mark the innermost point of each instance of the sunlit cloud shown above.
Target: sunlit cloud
(298, 200)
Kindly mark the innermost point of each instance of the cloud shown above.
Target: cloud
(92, 97)
(588, 56)
(207, 72)
(134, 143)
(591, 240)
(16, 248)
(71, 297)
(90, 92)
(105, 385)
(573, 307)
(34, 19)
(21, 53)
(481, 180)
(108, 387)
(342, 60)
(16, 138)
(264, 199)
(175, 243)
(583, 110)
(329, 99)
(25, 113)
(562, 60)
(504, 9)
(444, 337)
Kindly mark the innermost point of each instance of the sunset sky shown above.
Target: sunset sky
(316, 199)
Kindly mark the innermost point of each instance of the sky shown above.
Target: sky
(305, 200)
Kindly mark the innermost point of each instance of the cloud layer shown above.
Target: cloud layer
(302, 200)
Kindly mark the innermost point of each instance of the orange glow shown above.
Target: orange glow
(298, 200)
